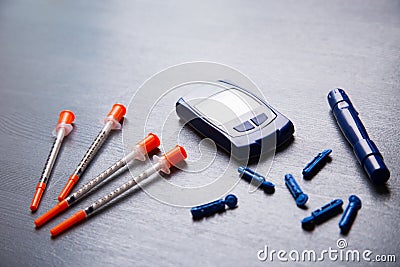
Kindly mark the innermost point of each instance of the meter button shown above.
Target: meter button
(259, 119)
(244, 127)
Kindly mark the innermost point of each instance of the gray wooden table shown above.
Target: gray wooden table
(85, 56)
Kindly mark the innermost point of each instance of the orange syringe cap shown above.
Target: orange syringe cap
(38, 196)
(61, 206)
(117, 112)
(68, 223)
(150, 142)
(175, 155)
(72, 181)
(66, 116)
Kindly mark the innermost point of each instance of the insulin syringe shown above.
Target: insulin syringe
(111, 122)
(150, 142)
(163, 163)
(63, 128)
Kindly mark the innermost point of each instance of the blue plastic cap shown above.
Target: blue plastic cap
(231, 201)
(267, 185)
(301, 200)
(355, 201)
(371, 159)
(250, 175)
(376, 169)
(337, 95)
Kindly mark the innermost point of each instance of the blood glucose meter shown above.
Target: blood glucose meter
(238, 121)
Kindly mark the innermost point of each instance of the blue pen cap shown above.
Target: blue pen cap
(376, 169)
(372, 161)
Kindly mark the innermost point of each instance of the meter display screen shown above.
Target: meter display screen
(226, 106)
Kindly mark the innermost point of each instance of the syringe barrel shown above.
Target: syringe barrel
(123, 188)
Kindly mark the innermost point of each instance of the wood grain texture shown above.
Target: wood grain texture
(85, 56)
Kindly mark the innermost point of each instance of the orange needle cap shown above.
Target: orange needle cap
(68, 187)
(74, 219)
(38, 196)
(61, 206)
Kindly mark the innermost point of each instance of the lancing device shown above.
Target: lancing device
(366, 151)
